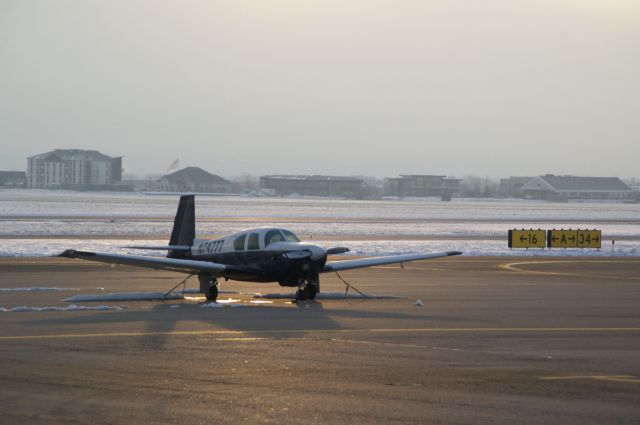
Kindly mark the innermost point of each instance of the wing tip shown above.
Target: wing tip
(73, 253)
(68, 253)
(450, 253)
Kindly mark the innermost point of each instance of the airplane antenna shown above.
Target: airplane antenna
(184, 286)
(350, 286)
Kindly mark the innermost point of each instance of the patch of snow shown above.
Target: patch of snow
(228, 301)
(195, 299)
(332, 296)
(70, 307)
(212, 305)
(126, 296)
(37, 289)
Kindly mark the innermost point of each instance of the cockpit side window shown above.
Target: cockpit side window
(238, 243)
(254, 241)
(273, 236)
(289, 236)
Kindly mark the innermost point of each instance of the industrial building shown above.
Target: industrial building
(564, 188)
(422, 185)
(75, 169)
(13, 179)
(510, 187)
(193, 179)
(314, 185)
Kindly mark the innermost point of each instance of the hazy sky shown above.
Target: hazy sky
(346, 87)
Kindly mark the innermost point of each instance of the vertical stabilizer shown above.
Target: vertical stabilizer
(184, 225)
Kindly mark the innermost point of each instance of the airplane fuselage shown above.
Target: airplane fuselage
(260, 255)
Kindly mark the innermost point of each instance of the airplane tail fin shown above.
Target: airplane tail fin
(184, 225)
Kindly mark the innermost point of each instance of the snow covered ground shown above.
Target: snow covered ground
(40, 223)
(48, 247)
(34, 203)
(74, 228)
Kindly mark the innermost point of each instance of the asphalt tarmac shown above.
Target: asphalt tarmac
(496, 340)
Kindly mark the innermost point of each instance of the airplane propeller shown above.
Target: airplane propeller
(337, 250)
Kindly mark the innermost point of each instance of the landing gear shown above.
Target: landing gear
(209, 286)
(212, 293)
(307, 290)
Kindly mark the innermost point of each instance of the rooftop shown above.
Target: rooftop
(74, 154)
(575, 183)
(195, 174)
(13, 175)
(312, 178)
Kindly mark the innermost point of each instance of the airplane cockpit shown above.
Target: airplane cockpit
(261, 238)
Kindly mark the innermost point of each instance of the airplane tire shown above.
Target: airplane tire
(212, 293)
(313, 291)
(307, 293)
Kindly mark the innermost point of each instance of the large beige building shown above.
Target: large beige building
(73, 169)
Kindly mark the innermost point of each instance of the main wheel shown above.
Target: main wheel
(313, 291)
(212, 293)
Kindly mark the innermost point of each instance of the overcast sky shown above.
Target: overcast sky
(492, 88)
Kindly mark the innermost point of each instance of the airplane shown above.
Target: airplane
(266, 254)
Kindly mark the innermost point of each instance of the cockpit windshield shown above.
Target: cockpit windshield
(273, 236)
(290, 236)
(279, 235)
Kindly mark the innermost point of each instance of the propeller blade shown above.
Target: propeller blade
(337, 250)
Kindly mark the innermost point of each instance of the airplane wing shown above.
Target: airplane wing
(336, 266)
(158, 263)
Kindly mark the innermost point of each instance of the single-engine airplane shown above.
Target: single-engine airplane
(254, 255)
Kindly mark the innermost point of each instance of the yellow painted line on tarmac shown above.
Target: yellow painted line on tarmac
(611, 378)
(514, 267)
(251, 334)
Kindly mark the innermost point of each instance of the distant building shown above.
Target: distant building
(193, 179)
(315, 185)
(141, 185)
(562, 188)
(74, 169)
(422, 185)
(510, 187)
(13, 179)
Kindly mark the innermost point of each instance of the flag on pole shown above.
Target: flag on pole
(174, 165)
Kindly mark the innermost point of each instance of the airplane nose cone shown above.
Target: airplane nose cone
(317, 253)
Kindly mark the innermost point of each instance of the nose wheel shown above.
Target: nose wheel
(307, 290)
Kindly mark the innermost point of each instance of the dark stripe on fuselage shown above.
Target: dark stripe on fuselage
(262, 266)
